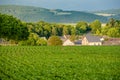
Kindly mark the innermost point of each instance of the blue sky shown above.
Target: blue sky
(79, 5)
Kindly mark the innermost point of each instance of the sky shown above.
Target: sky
(78, 5)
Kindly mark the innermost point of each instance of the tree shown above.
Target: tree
(98, 32)
(12, 28)
(81, 27)
(113, 32)
(111, 22)
(104, 30)
(34, 40)
(72, 37)
(59, 29)
(47, 30)
(54, 41)
(73, 31)
(65, 30)
(33, 37)
(41, 42)
(54, 31)
(95, 25)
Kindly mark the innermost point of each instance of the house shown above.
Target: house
(90, 39)
(68, 43)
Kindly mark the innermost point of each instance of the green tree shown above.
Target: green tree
(81, 27)
(98, 32)
(54, 41)
(54, 31)
(59, 29)
(113, 32)
(104, 30)
(72, 37)
(73, 31)
(12, 28)
(47, 30)
(65, 30)
(32, 39)
(95, 25)
(41, 42)
(111, 22)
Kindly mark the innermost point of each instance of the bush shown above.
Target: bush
(41, 42)
(54, 41)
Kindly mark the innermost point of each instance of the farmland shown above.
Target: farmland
(60, 63)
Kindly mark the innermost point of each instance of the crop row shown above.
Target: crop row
(60, 63)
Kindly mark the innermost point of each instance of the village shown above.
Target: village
(88, 39)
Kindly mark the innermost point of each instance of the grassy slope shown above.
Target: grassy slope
(60, 63)
(32, 14)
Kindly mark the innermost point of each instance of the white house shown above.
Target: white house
(90, 39)
(68, 43)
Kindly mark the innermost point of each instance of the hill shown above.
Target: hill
(33, 14)
(112, 13)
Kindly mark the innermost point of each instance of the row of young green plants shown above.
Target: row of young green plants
(60, 63)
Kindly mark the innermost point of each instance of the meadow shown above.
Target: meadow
(60, 63)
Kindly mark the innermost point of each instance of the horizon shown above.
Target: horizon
(92, 5)
(55, 9)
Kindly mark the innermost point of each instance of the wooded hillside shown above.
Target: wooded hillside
(33, 14)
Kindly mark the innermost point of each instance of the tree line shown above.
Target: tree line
(25, 33)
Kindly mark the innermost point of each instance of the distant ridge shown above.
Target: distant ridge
(112, 13)
(34, 14)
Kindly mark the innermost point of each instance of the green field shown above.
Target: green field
(60, 63)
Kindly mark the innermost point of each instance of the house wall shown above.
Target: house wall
(84, 41)
(95, 43)
(68, 42)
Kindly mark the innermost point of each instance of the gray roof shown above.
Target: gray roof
(62, 38)
(92, 38)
